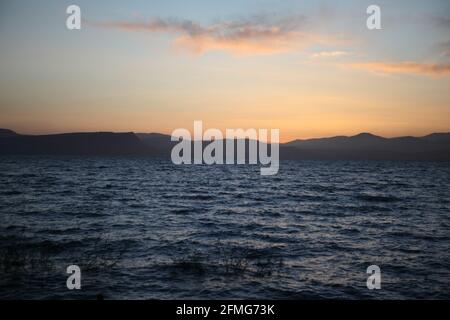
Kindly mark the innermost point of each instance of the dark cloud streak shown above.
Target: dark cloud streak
(257, 34)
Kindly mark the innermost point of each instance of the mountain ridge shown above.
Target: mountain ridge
(363, 146)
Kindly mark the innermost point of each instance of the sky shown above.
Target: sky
(308, 68)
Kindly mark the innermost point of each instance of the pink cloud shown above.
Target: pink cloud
(258, 35)
(410, 67)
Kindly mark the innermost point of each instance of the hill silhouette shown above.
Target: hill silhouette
(97, 143)
(364, 146)
(7, 133)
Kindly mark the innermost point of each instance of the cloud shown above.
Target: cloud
(256, 35)
(154, 25)
(329, 54)
(404, 67)
(444, 49)
(441, 21)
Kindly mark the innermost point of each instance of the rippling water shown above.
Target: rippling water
(147, 229)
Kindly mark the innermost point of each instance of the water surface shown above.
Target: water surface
(143, 228)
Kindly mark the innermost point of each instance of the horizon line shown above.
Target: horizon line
(288, 141)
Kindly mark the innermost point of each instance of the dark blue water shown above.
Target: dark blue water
(143, 228)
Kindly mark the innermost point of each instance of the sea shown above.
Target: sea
(144, 228)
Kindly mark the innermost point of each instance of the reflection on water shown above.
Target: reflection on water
(144, 228)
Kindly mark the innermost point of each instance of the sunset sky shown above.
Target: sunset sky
(309, 68)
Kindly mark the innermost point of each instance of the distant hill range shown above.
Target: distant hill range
(364, 146)
(97, 143)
